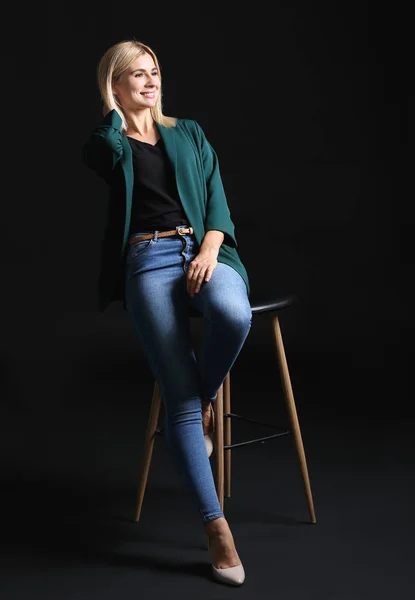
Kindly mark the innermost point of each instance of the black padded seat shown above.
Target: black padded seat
(272, 304)
(261, 305)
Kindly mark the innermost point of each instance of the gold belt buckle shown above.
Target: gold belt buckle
(185, 229)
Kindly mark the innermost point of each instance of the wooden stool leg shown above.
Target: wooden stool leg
(219, 471)
(289, 398)
(148, 447)
(227, 433)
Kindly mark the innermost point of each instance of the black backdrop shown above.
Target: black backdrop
(305, 104)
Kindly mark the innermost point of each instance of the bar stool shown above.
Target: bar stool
(223, 417)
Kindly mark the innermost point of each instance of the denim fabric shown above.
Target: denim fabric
(157, 304)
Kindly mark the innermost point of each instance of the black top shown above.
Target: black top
(156, 202)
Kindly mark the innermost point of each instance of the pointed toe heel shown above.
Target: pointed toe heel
(231, 575)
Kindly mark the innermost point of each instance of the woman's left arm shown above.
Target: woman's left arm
(218, 223)
(218, 215)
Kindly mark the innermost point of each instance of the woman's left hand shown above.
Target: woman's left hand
(200, 270)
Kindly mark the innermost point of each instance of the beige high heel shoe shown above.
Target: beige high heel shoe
(230, 575)
(209, 445)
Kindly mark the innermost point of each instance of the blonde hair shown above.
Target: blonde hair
(112, 65)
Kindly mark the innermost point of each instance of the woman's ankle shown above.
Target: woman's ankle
(216, 526)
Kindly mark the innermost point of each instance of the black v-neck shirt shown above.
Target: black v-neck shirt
(156, 202)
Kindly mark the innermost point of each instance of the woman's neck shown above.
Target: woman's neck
(140, 124)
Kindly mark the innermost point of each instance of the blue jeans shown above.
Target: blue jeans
(157, 303)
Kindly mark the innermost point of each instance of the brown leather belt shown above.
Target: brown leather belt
(149, 236)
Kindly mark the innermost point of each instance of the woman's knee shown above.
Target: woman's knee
(235, 313)
(243, 317)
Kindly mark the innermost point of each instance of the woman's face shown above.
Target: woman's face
(139, 85)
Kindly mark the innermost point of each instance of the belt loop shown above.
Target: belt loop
(156, 235)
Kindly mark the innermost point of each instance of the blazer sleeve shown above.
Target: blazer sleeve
(217, 209)
(104, 149)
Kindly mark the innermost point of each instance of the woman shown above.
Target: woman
(169, 245)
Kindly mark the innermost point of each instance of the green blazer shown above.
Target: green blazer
(195, 163)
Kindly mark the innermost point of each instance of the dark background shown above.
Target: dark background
(306, 105)
(309, 106)
(310, 109)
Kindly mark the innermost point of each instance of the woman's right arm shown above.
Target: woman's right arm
(104, 149)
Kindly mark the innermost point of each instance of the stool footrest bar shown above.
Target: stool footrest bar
(284, 430)
(253, 441)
